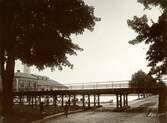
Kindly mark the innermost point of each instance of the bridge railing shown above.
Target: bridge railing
(97, 85)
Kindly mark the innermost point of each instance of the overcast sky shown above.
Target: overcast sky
(107, 54)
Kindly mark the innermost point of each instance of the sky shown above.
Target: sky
(107, 55)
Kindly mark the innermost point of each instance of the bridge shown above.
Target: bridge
(121, 89)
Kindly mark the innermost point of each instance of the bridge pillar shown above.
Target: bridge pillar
(88, 101)
(98, 100)
(35, 101)
(62, 100)
(39, 98)
(47, 100)
(126, 99)
(74, 100)
(69, 100)
(20, 99)
(83, 101)
(32, 101)
(117, 101)
(144, 95)
(120, 100)
(28, 100)
(138, 96)
(94, 100)
(55, 100)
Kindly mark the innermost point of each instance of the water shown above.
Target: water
(105, 100)
(109, 98)
(112, 97)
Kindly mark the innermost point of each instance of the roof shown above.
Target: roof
(46, 81)
(42, 80)
(50, 82)
(24, 75)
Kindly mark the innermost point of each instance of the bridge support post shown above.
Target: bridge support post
(62, 100)
(98, 100)
(83, 101)
(32, 101)
(55, 100)
(120, 100)
(20, 99)
(88, 101)
(144, 95)
(47, 100)
(126, 99)
(39, 98)
(69, 100)
(74, 100)
(117, 101)
(28, 100)
(141, 95)
(35, 101)
(94, 100)
(138, 96)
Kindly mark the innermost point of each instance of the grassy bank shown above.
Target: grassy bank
(27, 114)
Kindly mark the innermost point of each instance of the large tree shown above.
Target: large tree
(154, 34)
(37, 32)
(141, 79)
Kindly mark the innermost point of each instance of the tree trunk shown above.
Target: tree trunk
(7, 85)
(1, 75)
(7, 61)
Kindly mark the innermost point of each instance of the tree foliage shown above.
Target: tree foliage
(154, 34)
(37, 32)
(140, 79)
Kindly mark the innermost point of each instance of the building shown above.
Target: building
(26, 69)
(25, 81)
(31, 82)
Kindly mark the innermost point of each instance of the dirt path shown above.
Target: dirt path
(137, 114)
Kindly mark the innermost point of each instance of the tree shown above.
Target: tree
(37, 32)
(154, 34)
(140, 80)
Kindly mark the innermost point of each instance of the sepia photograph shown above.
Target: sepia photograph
(83, 61)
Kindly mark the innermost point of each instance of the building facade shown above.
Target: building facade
(25, 81)
(31, 82)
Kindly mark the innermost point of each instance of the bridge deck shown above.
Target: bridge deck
(154, 90)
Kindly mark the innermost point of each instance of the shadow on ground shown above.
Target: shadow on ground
(142, 108)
